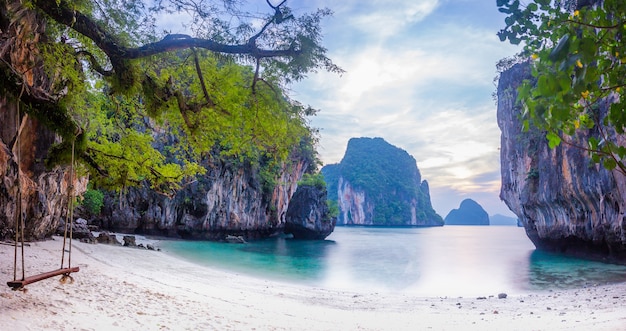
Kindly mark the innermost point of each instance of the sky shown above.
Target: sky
(420, 74)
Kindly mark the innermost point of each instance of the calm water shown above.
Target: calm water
(449, 260)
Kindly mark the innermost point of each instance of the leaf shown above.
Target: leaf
(553, 139)
(609, 163)
(561, 48)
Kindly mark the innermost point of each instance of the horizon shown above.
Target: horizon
(404, 60)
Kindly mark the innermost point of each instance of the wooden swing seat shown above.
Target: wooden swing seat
(16, 284)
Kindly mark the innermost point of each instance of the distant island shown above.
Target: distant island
(379, 184)
(468, 213)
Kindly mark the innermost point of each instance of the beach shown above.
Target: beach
(123, 288)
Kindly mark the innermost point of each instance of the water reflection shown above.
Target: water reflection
(548, 270)
(302, 260)
(445, 261)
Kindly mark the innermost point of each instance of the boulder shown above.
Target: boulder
(107, 238)
(129, 241)
(308, 215)
(80, 230)
(235, 239)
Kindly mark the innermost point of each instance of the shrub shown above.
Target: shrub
(316, 180)
(93, 200)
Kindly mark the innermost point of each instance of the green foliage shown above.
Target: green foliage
(377, 166)
(268, 174)
(314, 180)
(387, 174)
(152, 118)
(333, 208)
(93, 201)
(578, 59)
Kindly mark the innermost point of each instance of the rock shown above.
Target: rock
(481, 298)
(129, 241)
(308, 215)
(235, 239)
(44, 190)
(149, 247)
(502, 296)
(468, 213)
(80, 230)
(107, 238)
(377, 183)
(229, 198)
(565, 205)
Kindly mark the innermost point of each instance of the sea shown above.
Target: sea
(433, 261)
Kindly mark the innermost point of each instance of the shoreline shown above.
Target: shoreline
(122, 288)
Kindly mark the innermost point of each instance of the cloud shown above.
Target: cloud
(381, 19)
(422, 83)
(419, 74)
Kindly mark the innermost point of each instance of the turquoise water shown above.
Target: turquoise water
(450, 261)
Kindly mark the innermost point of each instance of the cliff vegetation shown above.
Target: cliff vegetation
(377, 183)
(136, 105)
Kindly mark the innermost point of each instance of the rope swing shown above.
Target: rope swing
(18, 284)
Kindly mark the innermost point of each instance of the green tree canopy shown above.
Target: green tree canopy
(578, 57)
(108, 79)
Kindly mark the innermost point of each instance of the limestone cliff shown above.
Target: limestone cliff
(228, 200)
(566, 203)
(44, 192)
(379, 184)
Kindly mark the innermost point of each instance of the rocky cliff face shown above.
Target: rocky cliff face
(468, 213)
(308, 215)
(565, 203)
(44, 192)
(227, 200)
(379, 184)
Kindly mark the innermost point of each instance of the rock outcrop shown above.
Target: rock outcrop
(227, 200)
(308, 215)
(79, 230)
(565, 202)
(468, 213)
(379, 184)
(44, 192)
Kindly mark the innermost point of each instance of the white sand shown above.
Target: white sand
(120, 288)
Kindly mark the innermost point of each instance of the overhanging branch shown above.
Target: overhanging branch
(117, 53)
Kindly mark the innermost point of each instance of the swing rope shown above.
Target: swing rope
(19, 220)
(20, 225)
(69, 219)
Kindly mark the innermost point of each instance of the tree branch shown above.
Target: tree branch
(94, 63)
(117, 53)
(201, 77)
